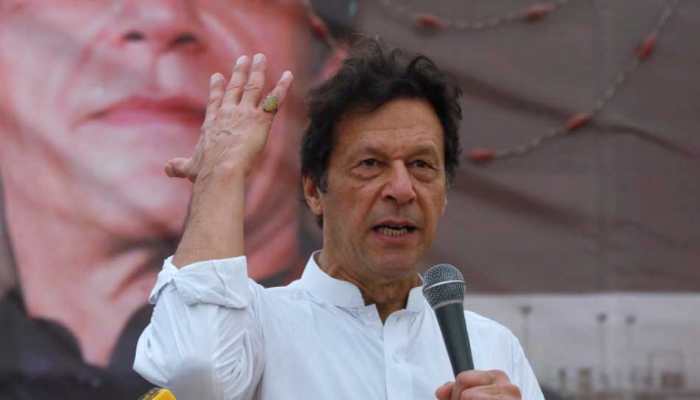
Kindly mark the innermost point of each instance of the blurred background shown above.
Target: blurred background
(574, 216)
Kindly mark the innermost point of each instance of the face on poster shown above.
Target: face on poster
(97, 95)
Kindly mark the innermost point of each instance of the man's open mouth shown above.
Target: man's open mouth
(394, 230)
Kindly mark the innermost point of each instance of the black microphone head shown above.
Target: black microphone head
(443, 284)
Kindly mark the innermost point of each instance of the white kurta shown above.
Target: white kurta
(216, 334)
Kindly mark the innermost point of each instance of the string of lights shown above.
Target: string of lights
(531, 13)
(581, 119)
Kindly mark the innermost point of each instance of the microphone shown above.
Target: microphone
(158, 394)
(443, 287)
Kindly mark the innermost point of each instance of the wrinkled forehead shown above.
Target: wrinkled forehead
(403, 123)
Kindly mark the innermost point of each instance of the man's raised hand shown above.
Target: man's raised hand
(234, 133)
(236, 125)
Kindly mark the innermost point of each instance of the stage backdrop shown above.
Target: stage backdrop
(574, 216)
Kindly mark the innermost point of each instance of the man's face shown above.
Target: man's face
(95, 96)
(386, 188)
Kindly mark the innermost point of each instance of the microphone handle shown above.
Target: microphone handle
(454, 331)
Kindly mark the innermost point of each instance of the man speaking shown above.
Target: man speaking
(377, 159)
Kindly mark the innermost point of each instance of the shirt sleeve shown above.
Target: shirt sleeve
(523, 376)
(204, 339)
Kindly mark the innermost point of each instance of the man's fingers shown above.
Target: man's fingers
(480, 393)
(468, 379)
(216, 92)
(239, 76)
(444, 391)
(279, 92)
(256, 81)
(495, 391)
(484, 384)
(498, 376)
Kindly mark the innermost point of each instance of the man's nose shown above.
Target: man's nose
(400, 187)
(162, 25)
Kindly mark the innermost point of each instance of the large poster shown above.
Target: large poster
(95, 97)
(574, 216)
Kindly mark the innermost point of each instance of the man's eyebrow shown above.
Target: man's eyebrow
(427, 149)
(421, 150)
(369, 149)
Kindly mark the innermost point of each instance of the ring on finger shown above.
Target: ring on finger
(270, 104)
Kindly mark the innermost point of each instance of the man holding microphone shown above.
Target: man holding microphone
(377, 159)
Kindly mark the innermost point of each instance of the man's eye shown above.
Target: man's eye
(421, 164)
(370, 162)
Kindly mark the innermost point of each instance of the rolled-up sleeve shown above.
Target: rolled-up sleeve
(204, 339)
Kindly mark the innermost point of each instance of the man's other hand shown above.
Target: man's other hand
(479, 385)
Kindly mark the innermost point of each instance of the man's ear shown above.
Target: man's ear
(313, 196)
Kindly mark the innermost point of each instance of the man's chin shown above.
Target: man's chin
(397, 266)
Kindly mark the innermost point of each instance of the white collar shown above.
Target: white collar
(345, 294)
